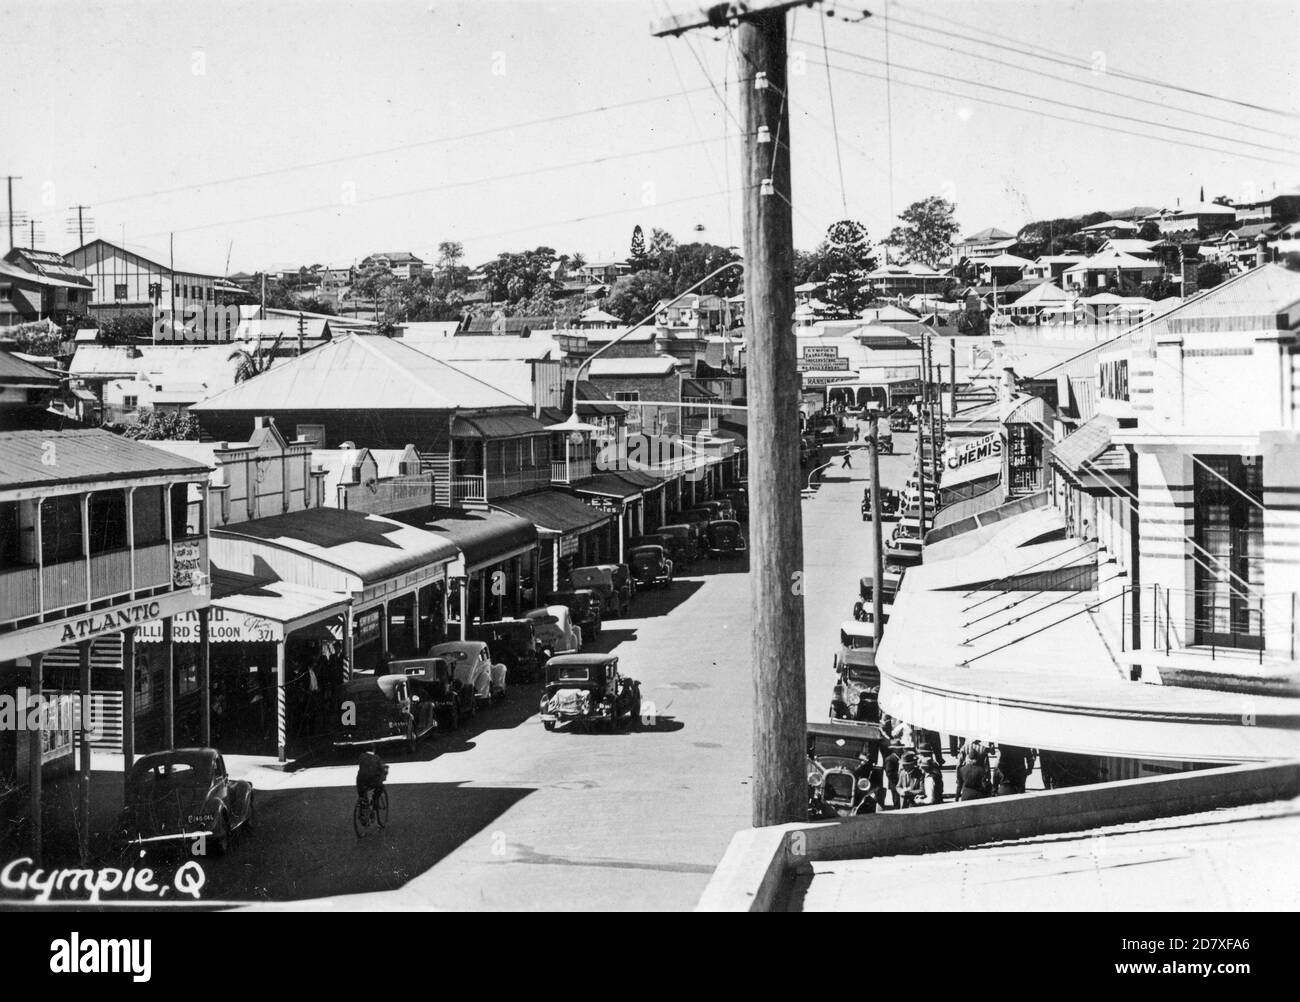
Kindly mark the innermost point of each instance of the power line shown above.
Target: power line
(1064, 104)
(1072, 121)
(835, 129)
(513, 175)
(1020, 67)
(274, 171)
(1074, 62)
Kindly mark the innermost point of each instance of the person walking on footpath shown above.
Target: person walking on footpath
(848, 461)
(973, 779)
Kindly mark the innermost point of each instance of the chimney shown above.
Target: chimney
(1006, 392)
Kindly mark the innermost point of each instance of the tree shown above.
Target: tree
(1209, 274)
(637, 256)
(686, 264)
(661, 243)
(126, 328)
(254, 362)
(634, 296)
(1292, 261)
(847, 257)
(155, 425)
(928, 230)
(1150, 230)
(513, 277)
(450, 254)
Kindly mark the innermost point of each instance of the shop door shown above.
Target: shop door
(1229, 529)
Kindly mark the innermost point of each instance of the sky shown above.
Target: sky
(279, 133)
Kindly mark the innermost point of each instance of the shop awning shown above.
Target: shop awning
(496, 426)
(1090, 446)
(608, 485)
(485, 537)
(250, 610)
(639, 479)
(371, 547)
(554, 513)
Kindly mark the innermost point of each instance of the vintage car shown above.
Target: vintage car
(683, 543)
(739, 498)
(857, 645)
(384, 709)
(471, 664)
(901, 421)
(903, 552)
(840, 768)
(889, 503)
(884, 440)
(433, 680)
(584, 606)
(864, 612)
(893, 581)
(725, 538)
(556, 631)
(586, 689)
(515, 644)
(651, 566)
(177, 798)
(615, 601)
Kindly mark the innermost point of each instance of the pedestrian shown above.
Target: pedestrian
(1014, 762)
(848, 462)
(1001, 784)
(932, 778)
(892, 773)
(931, 738)
(911, 780)
(973, 779)
(839, 707)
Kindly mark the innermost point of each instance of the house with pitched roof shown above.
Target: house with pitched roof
(39, 284)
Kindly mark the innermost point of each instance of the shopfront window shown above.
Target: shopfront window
(1229, 530)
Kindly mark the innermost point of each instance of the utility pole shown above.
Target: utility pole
(171, 277)
(921, 415)
(877, 538)
(81, 223)
(780, 788)
(952, 371)
(11, 178)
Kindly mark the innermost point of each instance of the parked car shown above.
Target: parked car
(739, 498)
(176, 798)
(584, 606)
(451, 700)
(385, 709)
(857, 646)
(515, 644)
(884, 441)
(651, 566)
(586, 689)
(555, 629)
(901, 421)
(903, 552)
(471, 664)
(889, 503)
(725, 538)
(614, 601)
(683, 543)
(839, 769)
(893, 581)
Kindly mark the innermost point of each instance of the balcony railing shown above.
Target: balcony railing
(570, 472)
(153, 566)
(110, 573)
(63, 584)
(518, 481)
(472, 488)
(20, 591)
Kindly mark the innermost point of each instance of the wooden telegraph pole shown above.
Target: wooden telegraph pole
(877, 537)
(776, 542)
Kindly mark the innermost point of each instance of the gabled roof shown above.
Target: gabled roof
(1111, 224)
(1111, 259)
(49, 265)
(1251, 301)
(1044, 294)
(1005, 261)
(15, 370)
(988, 235)
(1202, 209)
(360, 372)
(1129, 245)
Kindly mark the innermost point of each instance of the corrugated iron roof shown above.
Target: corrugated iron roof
(359, 372)
(36, 458)
(16, 370)
(554, 511)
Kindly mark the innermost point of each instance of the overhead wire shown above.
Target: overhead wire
(1056, 56)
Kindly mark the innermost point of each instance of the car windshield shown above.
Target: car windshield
(645, 558)
(576, 673)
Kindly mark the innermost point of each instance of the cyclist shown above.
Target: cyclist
(371, 773)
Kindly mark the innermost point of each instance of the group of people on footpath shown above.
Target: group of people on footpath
(904, 766)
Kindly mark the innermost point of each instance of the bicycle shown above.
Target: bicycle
(365, 812)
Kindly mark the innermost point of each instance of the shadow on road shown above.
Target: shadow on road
(659, 725)
(286, 860)
(662, 601)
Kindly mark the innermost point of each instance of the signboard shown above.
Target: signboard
(821, 356)
(187, 564)
(58, 713)
(823, 380)
(568, 545)
(224, 626)
(367, 627)
(967, 459)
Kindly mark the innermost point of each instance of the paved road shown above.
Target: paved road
(503, 815)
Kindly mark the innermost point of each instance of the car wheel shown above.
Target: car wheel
(453, 718)
(549, 724)
(221, 835)
(635, 717)
(410, 739)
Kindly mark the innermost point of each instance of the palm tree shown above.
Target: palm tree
(255, 362)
